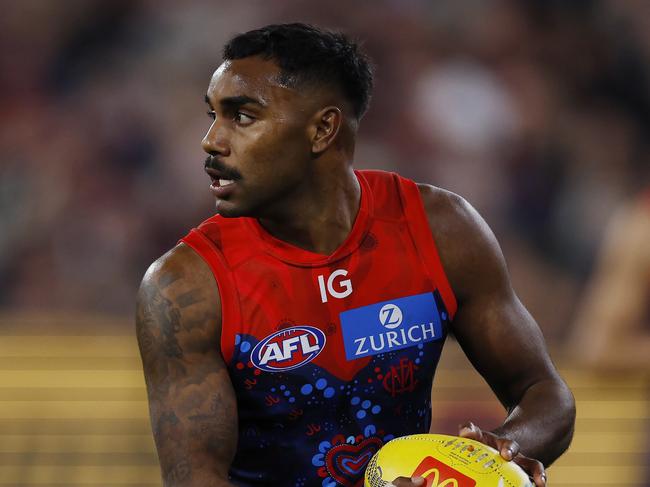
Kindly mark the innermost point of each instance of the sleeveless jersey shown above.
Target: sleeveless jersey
(330, 356)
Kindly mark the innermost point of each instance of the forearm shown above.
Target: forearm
(542, 422)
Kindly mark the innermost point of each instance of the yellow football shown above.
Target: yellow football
(444, 461)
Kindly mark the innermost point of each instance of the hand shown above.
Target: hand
(509, 450)
(406, 482)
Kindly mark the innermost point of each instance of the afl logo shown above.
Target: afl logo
(288, 349)
(390, 316)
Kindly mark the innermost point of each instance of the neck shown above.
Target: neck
(322, 215)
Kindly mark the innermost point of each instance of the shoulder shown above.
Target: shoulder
(179, 291)
(177, 272)
(467, 246)
(178, 264)
(444, 204)
(451, 216)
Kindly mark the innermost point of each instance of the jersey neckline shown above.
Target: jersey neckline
(292, 254)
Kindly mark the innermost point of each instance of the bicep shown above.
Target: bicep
(191, 399)
(495, 330)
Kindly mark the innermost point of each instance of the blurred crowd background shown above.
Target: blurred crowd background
(536, 111)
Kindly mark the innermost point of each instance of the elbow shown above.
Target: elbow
(567, 420)
(560, 423)
(571, 417)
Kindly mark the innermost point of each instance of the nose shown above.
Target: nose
(215, 141)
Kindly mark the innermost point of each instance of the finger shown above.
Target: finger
(400, 482)
(533, 468)
(406, 482)
(473, 432)
(508, 449)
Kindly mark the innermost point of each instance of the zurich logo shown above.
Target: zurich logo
(405, 322)
(288, 349)
(390, 316)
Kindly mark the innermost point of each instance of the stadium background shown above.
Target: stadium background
(537, 111)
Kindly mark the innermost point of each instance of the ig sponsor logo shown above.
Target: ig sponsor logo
(344, 285)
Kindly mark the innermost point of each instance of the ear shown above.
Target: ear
(324, 128)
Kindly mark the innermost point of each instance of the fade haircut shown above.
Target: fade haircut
(308, 55)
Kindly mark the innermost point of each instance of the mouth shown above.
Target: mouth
(220, 186)
(218, 178)
(221, 183)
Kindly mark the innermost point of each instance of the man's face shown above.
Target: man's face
(258, 143)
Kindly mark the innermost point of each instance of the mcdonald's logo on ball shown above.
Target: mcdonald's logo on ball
(438, 474)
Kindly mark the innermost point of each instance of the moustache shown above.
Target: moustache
(226, 172)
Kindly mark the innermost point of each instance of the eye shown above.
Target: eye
(211, 114)
(243, 119)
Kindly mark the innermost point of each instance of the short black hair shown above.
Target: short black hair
(307, 54)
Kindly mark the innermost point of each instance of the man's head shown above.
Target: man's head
(310, 56)
(284, 97)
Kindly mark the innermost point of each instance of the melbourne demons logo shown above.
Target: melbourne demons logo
(288, 349)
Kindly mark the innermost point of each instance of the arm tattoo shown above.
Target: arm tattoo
(189, 298)
(165, 419)
(180, 472)
(217, 425)
(191, 401)
(162, 310)
(158, 322)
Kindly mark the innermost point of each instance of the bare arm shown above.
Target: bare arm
(498, 335)
(191, 399)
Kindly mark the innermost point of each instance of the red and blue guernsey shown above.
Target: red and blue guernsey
(330, 356)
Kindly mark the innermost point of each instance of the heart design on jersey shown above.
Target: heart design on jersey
(346, 462)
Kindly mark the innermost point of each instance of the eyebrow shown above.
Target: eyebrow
(236, 101)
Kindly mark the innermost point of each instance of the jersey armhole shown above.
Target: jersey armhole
(424, 241)
(226, 289)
